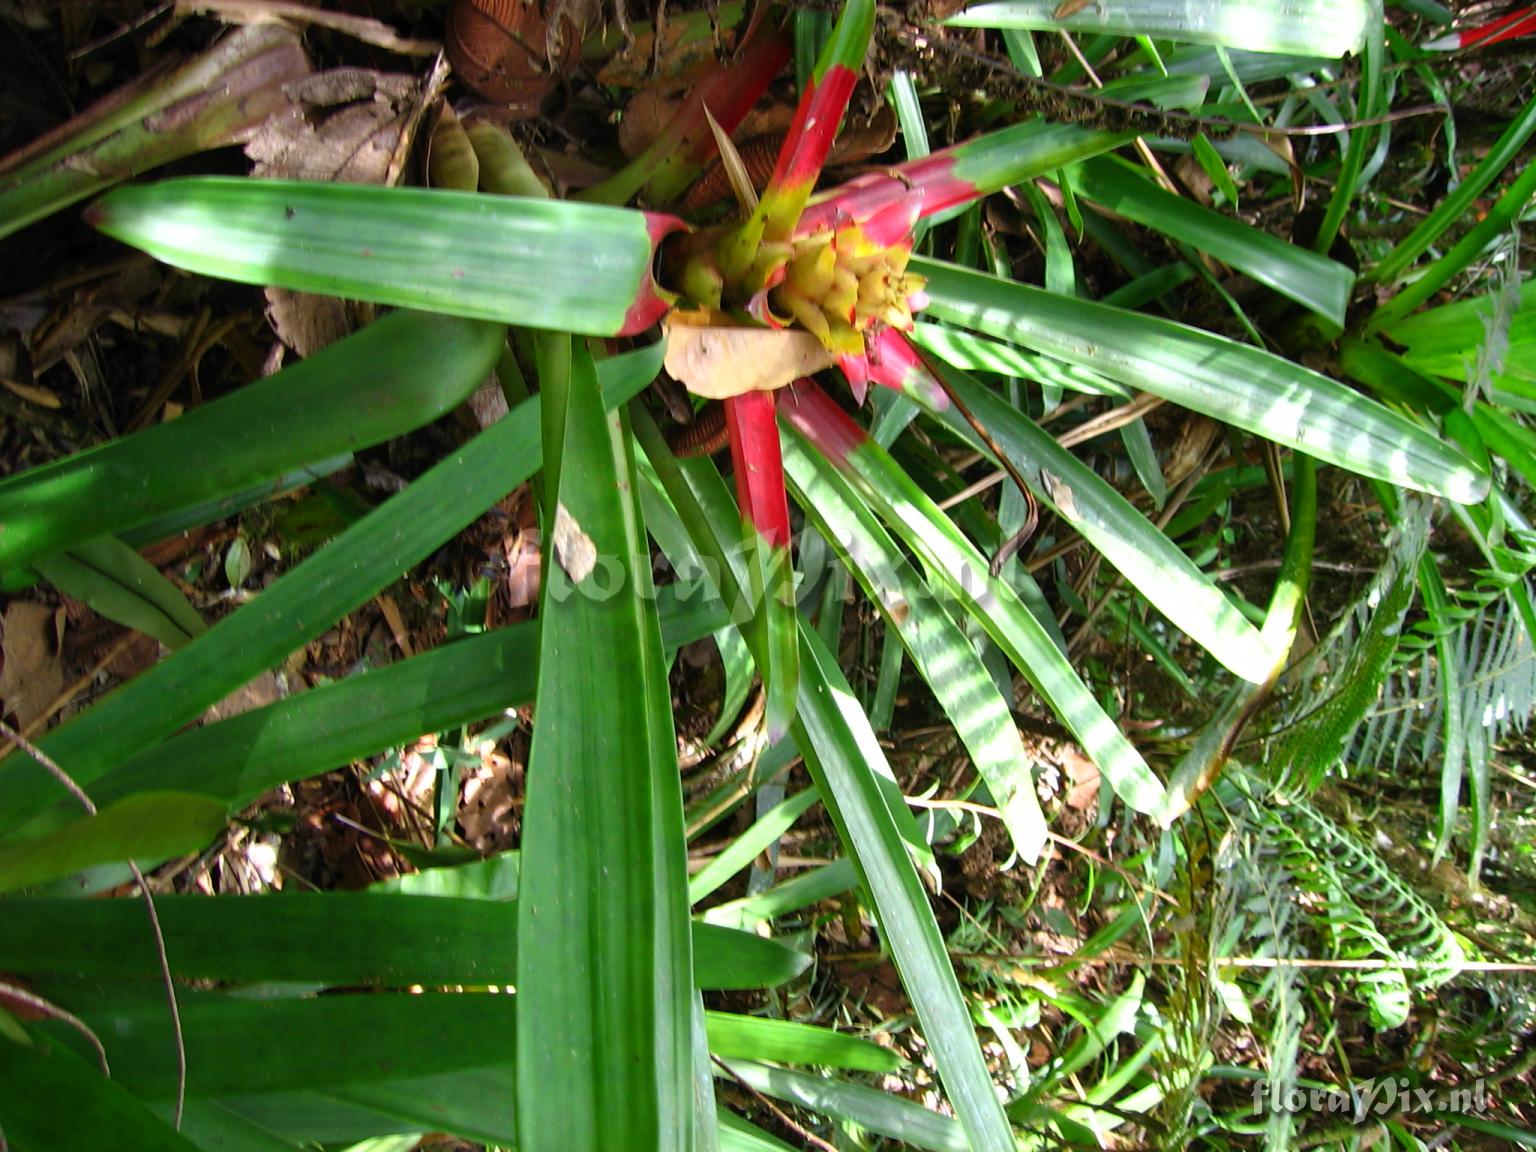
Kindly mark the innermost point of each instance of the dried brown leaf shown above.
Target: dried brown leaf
(32, 675)
(348, 126)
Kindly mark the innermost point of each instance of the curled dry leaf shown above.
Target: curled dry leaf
(718, 361)
(363, 28)
(507, 52)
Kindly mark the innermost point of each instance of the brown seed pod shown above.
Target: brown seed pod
(705, 436)
(759, 154)
(504, 50)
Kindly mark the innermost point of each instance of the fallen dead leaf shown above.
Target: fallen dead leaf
(265, 689)
(488, 404)
(363, 28)
(347, 127)
(491, 797)
(32, 675)
(523, 563)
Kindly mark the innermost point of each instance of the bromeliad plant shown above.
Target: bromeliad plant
(610, 1032)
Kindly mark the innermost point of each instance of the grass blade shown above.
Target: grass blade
(1311, 280)
(1459, 201)
(745, 848)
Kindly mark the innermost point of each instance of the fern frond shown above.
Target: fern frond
(1259, 891)
(1356, 898)
(1465, 681)
(1344, 673)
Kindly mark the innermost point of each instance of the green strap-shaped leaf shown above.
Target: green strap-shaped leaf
(1236, 383)
(1153, 564)
(404, 371)
(149, 826)
(809, 887)
(744, 848)
(784, 1041)
(51, 1100)
(1303, 27)
(1460, 200)
(604, 1026)
(238, 759)
(488, 257)
(214, 1124)
(899, 1119)
(943, 654)
(123, 586)
(844, 757)
(298, 606)
(830, 725)
(1447, 341)
(331, 938)
(954, 565)
(978, 354)
(301, 1043)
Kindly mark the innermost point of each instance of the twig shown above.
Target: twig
(118, 33)
(1032, 507)
(1111, 420)
(52, 766)
(363, 28)
(170, 993)
(17, 995)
